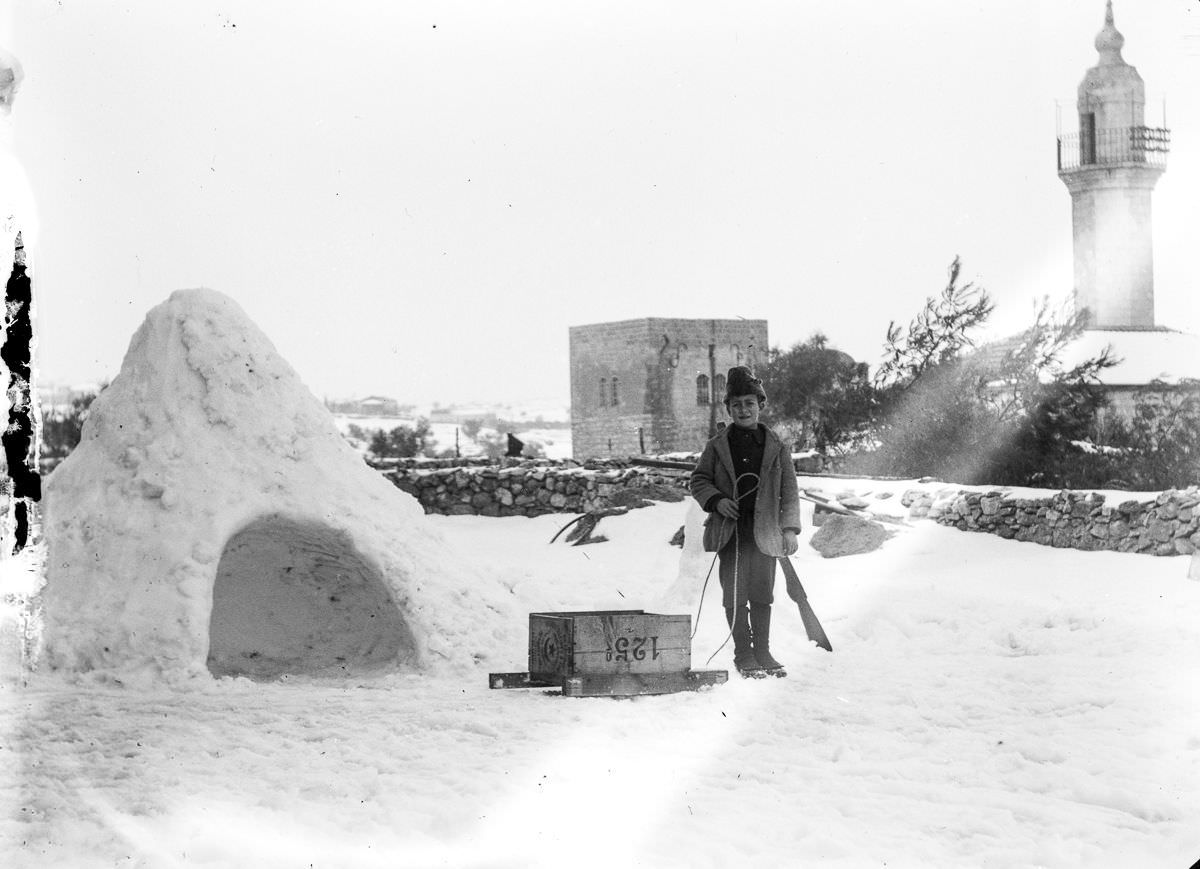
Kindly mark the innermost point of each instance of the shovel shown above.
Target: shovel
(795, 591)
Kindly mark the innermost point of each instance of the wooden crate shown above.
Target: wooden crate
(610, 653)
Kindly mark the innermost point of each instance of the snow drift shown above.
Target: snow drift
(214, 519)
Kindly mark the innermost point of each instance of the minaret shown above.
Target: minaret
(1110, 168)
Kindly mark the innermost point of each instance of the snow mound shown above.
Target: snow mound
(214, 520)
(847, 535)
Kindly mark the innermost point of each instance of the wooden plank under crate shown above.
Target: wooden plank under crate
(630, 684)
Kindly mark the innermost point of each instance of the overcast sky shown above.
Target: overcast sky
(418, 199)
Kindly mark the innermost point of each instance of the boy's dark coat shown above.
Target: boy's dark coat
(776, 504)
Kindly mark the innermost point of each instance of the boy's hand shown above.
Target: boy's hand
(727, 508)
(790, 543)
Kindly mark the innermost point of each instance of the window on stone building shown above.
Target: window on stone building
(718, 389)
(702, 394)
(613, 387)
(603, 391)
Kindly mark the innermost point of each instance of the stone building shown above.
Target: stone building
(654, 385)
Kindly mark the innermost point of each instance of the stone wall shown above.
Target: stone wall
(1168, 524)
(535, 490)
(532, 487)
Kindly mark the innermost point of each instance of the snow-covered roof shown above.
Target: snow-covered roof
(1145, 355)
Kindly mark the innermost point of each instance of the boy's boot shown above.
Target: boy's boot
(743, 648)
(760, 626)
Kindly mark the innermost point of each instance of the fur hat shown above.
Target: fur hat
(741, 381)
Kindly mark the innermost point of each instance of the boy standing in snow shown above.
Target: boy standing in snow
(746, 482)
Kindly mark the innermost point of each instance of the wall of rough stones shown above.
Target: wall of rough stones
(530, 490)
(1168, 524)
(532, 487)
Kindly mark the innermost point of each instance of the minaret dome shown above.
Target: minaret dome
(1109, 41)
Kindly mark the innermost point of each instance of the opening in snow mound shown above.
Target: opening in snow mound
(297, 598)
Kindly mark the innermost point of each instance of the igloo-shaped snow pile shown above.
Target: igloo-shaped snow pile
(213, 519)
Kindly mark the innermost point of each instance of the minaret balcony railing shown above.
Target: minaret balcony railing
(1116, 145)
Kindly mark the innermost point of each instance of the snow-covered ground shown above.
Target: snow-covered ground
(987, 704)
